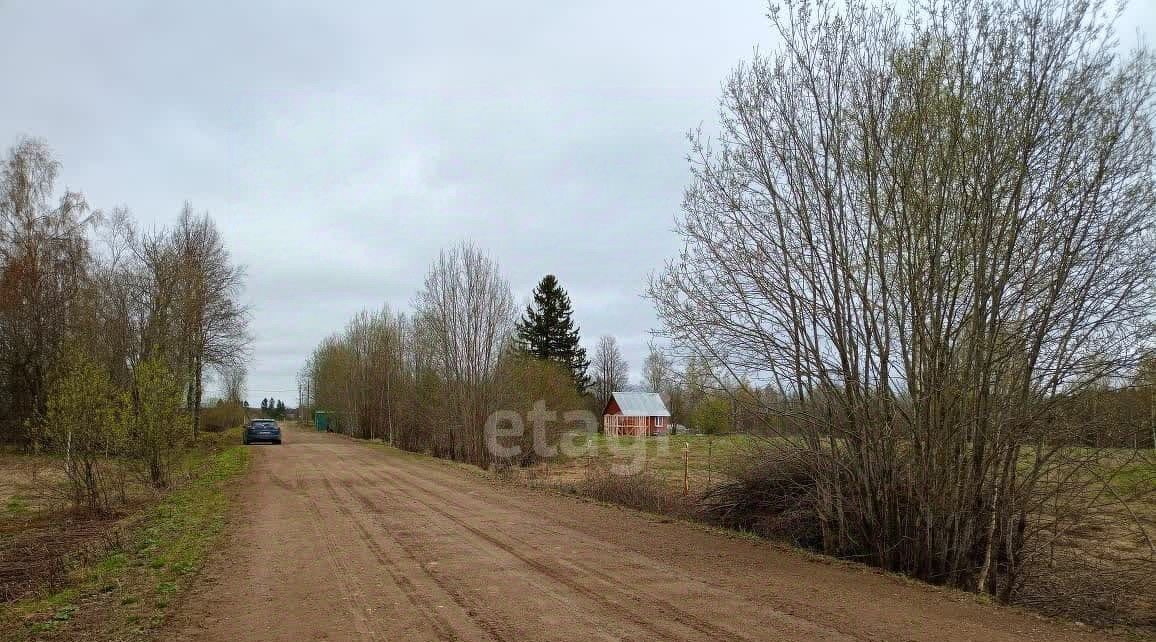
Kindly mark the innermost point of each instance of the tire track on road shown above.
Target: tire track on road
(343, 570)
(536, 566)
(641, 620)
(369, 504)
(442, 628)
(447, 494)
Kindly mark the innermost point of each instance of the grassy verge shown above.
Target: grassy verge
(125, 594)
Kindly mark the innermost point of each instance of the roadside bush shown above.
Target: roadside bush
(85, 423)
(525, 382)
(226, 415)
(772, 497)
(1082, 552)
(158, 425)
(936, 354)
(640, 491)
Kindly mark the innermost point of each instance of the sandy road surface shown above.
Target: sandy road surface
(339, 541)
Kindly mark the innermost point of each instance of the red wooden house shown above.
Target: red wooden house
(635, 413)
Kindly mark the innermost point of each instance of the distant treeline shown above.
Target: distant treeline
(428, 380)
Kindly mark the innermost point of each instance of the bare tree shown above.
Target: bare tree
(924, 236)
(214, 323)
(44, 262)
(610, 369)
(465, 315)
(111, 328)
(657, 371)
(233, 378)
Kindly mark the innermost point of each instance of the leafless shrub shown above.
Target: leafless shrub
(770, 496)
(225, 416)
(641, 491)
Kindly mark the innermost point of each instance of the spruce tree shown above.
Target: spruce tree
(547, 330)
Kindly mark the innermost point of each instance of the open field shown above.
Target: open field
(72, 577)
(23, 483)
(709, 458)
(343, 541)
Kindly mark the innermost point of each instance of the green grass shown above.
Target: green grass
(707, 456)
(17, 506)
(1137, 472)
(670, 448)
(710, 457)
(125, 594)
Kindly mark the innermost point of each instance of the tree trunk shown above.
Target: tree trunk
(198, 375)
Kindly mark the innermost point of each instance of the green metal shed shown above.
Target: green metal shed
(321, 420)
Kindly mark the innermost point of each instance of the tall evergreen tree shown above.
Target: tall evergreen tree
(547, 330)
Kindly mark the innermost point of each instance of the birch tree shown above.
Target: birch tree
(44, 261)
(213, 321)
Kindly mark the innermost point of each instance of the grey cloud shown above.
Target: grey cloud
(340, 145)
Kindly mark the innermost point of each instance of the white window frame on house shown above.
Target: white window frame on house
(659, 422)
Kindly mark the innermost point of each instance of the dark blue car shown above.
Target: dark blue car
(262, 430)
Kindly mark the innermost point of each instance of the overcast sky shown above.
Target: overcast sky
(340, 145)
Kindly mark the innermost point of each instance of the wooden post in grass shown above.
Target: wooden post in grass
(686, 468)
(709, 456)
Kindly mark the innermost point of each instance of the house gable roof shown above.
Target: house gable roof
(641, 404)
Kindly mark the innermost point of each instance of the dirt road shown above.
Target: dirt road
(340, 541)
